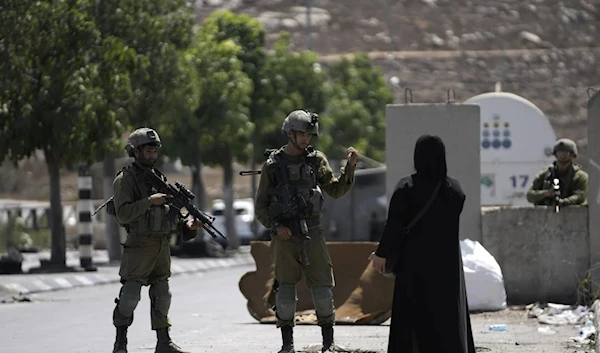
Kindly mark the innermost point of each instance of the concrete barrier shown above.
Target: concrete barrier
(543, 255)
(362, 295)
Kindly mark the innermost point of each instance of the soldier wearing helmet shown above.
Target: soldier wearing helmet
(146, 255)
(307, 171)
(571, 180)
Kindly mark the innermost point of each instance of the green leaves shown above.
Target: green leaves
(75, 74)
(155, 33)
(50, 74)
(355, 114)
(223, 111)
(289, 81)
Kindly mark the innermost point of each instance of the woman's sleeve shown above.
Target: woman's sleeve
(393, 225)
(455, 185)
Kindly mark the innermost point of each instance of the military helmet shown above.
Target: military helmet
(301, 120)
(140, 137)
(565, 145)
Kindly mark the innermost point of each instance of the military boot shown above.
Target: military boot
(327, 332)
(287, 335)
(121, 340)
(164, 344)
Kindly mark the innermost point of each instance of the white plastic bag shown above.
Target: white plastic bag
(483, 278)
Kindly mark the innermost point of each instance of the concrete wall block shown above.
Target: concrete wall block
(543, 255)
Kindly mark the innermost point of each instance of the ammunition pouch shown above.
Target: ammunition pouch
(154, 221)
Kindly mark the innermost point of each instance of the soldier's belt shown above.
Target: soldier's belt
(313, 222)
(310, 222)
(150, 235)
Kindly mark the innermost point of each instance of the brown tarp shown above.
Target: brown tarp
(361, 294)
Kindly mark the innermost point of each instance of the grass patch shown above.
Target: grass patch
(13, 233)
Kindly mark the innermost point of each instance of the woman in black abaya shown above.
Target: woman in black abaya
(430, 312)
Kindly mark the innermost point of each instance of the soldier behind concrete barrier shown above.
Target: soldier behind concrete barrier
(572, 180)
(146, 254)
(307, 170)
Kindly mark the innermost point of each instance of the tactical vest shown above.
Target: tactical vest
(566, 181)
(301, 174)
(155, 219)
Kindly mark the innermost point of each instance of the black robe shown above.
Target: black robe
(430, 312)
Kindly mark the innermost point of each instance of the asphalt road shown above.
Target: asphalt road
(209, 314)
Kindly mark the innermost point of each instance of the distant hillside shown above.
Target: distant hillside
(544, 50)
(358, 25)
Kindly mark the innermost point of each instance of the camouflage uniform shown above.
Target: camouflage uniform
(146, 253)
(311, 174)
(573, 182)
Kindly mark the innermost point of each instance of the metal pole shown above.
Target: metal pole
(389, 23)
(84, 210)
(308, 24)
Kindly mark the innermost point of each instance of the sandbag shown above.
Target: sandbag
(483, 278)
(361, 294)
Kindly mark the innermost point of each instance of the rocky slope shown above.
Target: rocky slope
(357, 25)
(544, 50)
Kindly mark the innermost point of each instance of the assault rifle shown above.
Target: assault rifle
(556, 194)
(178, 198)
(556, 189)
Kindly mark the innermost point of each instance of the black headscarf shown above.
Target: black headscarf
(430, 158)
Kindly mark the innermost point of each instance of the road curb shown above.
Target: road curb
(40, 284)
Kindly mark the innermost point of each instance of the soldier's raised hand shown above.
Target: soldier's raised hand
(352, 155)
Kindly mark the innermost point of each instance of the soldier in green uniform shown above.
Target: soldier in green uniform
(146, 254)
(573, 181)
(308, 171)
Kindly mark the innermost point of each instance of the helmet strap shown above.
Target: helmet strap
(293, 141)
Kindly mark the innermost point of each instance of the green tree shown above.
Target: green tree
(249, 34)
(291, 81)
(183, 138)
(355, 113)
(220, 129)
(51, 54)
(154, 32)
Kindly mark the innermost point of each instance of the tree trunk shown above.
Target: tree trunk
(112, 228)
(198, 187)
(58, 256)
(199, 190)
(234, 242)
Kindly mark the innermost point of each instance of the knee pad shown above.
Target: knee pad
(160, 297)
(129, 297)
(323, 301)
(286, 301)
